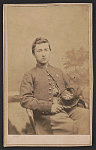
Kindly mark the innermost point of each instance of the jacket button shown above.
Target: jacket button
(50, 88)
(49, 92)
(49, 79)
(50, 99)
(50, 83)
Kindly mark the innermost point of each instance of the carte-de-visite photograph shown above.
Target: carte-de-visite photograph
(48, 74)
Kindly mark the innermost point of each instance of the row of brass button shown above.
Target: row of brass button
(49, 87)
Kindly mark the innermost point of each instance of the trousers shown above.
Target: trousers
(75, 121)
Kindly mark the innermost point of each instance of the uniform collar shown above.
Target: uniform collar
(42, 67)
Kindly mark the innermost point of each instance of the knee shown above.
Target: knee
(69, 125)
(63, 125)
(85, 121)
(84, 115)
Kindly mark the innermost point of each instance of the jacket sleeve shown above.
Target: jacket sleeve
(27, 98)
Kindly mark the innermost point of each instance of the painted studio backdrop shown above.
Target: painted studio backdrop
(67, 29)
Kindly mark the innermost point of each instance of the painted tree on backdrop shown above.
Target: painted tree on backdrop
(77, 62)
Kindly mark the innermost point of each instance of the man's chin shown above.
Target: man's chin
(43, 63)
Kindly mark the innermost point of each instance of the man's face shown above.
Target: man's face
(42, 53)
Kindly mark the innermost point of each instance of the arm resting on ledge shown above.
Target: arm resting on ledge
(27, 98)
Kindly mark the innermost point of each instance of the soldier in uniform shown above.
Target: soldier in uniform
(55, 103)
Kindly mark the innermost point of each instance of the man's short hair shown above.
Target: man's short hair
(39, 40)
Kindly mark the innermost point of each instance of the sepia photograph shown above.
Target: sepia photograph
(47, 74)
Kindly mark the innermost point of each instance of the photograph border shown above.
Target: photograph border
(5, 80)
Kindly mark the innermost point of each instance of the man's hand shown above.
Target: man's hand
(56, 108)
(67, 95)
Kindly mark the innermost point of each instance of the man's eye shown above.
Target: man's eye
(39, 50)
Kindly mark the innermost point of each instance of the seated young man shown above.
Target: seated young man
(45, 90)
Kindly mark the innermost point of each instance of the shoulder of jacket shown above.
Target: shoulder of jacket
(30, 72)
(56, 69)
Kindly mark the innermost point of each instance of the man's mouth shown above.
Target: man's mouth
(43, 58)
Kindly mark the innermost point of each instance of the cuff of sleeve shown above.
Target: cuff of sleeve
(45, 107)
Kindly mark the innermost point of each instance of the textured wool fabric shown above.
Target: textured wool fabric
(37, 94)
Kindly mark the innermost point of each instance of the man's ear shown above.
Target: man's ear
(33, 54)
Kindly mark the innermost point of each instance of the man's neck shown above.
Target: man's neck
(43, 66)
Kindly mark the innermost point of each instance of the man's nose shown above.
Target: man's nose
(43, 54)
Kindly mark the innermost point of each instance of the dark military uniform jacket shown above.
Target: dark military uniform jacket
(37, 87)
